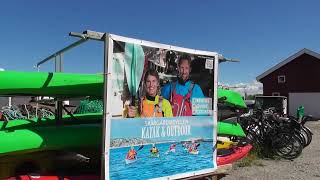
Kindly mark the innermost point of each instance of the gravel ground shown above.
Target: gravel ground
(305, 167)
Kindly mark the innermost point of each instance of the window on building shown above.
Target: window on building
(275, 94)
(281, 79)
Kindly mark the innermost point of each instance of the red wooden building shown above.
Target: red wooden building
(297, 78)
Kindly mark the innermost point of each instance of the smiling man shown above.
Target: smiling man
(181, 92)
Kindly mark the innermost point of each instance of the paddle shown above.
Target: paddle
(134, 65)
(140, 148)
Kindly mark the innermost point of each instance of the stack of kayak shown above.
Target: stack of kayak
(232, 145)
(230, 151)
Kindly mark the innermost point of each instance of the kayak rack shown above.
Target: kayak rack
(58, 61)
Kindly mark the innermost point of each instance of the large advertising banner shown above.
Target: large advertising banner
(162, 121)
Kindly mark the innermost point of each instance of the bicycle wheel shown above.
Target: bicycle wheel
(308, 133)
(297, 149)
(287, 145)
(281, 144)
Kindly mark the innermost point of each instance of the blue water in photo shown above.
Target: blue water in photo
(147, 167)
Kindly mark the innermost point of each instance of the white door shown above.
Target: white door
(310, 101)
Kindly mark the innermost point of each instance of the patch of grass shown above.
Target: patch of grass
(264, 152)
(251, 159)
(258, 152)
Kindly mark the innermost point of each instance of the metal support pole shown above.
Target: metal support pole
(10, 101)
(62, 51)
(108, 51)
(58, 63)
(59, 103)
(215, 102)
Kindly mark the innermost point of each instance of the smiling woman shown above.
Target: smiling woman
(151, 105)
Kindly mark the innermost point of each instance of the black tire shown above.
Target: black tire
(308, 132)
(297, 149)
(302, 137)
(287, 146)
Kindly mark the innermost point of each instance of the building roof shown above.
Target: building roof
(286, 61)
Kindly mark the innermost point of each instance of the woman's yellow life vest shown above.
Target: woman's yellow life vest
(151, 109)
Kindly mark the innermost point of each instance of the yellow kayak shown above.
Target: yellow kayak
(226, 144)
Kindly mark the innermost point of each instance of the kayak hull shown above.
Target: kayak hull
(129, 161)
(38, 177)
(155, 155)
(226, 144)
(239, 152)
(50, 84)
(47, 138)
(232, 98)
(230, 129)
(194, 152)
(172, 150)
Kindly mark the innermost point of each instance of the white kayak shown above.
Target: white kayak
(129, 161)
(155, 155)
(171, 150)
(194, 152)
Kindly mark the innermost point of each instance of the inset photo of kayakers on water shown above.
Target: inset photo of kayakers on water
(162, 105)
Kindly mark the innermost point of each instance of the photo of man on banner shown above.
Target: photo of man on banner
(181, 91)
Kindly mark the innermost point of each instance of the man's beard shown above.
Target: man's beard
(181, 81)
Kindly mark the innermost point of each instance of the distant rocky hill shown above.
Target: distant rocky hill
(122, 142)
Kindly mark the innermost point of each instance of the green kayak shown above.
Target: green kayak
(37, 135)
(232, 98)
(230, 129)
(50, 84)
(50, 138)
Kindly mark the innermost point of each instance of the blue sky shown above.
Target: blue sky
(259, 34)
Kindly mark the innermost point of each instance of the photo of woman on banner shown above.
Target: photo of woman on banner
(151, 105)
(181, 92)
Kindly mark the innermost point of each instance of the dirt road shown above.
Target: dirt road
(306, 166)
